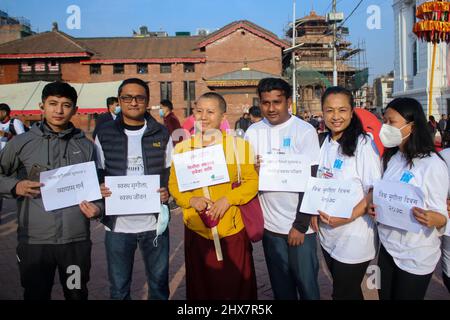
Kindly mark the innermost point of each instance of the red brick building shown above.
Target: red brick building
(231, 61)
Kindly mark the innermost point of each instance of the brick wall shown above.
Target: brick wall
(9, 73)
(10, 32)
(229, 53)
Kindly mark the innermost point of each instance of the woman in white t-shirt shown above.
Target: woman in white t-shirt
(446, 238)
(347, 153)
(407, 260)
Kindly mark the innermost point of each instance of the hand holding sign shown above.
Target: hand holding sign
(333, 222)
(89, 210)
(105, 191)
(163, 194)
(429, 218)
(29, 189)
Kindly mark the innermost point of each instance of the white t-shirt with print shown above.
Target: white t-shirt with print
(446, 238)
(18, 127)
(293, 136)
(135, 167)
(354, 242)
(417, 253)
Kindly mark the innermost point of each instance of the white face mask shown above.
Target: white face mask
(391, 136)
(163, 222)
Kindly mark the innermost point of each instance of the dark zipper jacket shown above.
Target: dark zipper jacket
(51, 150)
(114, 143)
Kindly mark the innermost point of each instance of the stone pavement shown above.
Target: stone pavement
(98, 286)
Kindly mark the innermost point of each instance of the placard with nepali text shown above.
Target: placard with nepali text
(68, 186)
(133, 195)
(284, 172)
(201, 168)
(394, 202)
(337, 198)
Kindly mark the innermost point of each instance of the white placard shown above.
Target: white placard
(68, 186)
(201, 168)
(133, 195)
(284, 172)
(394, 202)
(337, 198)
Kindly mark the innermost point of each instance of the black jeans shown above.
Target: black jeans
(347, 278)
(397, 284)
(38, 263)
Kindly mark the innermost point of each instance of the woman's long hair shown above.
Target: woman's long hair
(349, 139)
(420, 143)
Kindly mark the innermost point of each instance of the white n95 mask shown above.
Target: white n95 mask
(163, 222)
(391, 136)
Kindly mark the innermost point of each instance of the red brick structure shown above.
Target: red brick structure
(231, 61)
(13, 28)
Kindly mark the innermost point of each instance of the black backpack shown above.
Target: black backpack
(13, 130)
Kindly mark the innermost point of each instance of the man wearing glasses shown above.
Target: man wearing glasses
(135, 144)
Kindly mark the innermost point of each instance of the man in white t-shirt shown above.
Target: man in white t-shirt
(135, 144)
(289, 244)
(6, 133)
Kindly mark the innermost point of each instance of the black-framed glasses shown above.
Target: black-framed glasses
(128, 99)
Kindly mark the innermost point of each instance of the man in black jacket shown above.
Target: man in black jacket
(135, 144)
(112, 103)
(61, 238)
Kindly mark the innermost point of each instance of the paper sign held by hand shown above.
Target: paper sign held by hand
(394, 202)
(284, 172)
(69, 186)
(133, 195)
(336, 198)
(201, 168)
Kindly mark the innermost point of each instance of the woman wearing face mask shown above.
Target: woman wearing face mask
(407, 260)
(347, 153)
(206, 277)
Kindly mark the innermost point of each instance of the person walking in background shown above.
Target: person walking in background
(255, 114)
(170, 119)
(243, 123)
(442, 124)
(112, 103)
(432, 127)
(8, 129)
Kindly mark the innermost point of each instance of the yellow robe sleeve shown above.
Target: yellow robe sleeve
(249, 177)
(181, 198)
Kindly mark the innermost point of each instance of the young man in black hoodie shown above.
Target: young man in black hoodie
(50, 240)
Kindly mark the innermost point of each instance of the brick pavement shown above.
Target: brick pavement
(98, 285)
